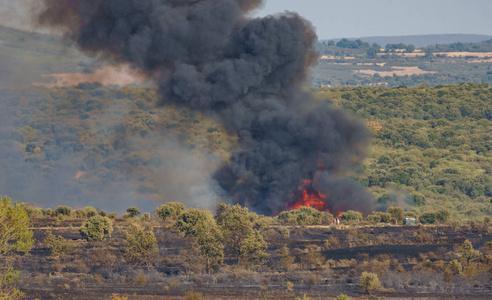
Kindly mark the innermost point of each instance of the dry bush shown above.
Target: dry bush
(80, 266)
(58, 267)
(141, 280)
(270, 234)
(369, 282)
(421, 236)
(165, 289)
(103, 257)
(313, 248)
(311, 280)
(284, 231)
(193, 295)
(330, 263)
(311, 260)
(286, 261)
(290, 287)
(332, 243)
(97, 278)
(346, 263)
(117, 297)
(240, 274)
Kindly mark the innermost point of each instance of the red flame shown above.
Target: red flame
(309, 196)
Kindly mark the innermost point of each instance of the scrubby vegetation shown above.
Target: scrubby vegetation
(431, 147)
(198, 255)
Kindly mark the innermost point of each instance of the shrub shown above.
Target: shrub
(63, 210)
(133, 211)
(441, 216)
(81, 214)
(112, 216)
(48, 212)
(290, 287)
(236, 224)
(141, 279)
(468, 252)
(286, 261)
(253, 250)
(351, 215)
(96, 228)
(379, 217)
(117, 297)
(369, 282)
(284, 231)
(90, 211)
(31, 210)
(145, 217)
(305, 216)
(343, 297)
(201, 225)
(141, 244)
(59, 246)
(396, 213)
(193, 295)
(169, 211)
(427, 218)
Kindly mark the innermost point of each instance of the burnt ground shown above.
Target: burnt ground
(409, 261)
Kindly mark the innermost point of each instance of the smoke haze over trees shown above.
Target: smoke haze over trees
(248, 73)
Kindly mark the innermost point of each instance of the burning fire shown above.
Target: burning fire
(308, 195)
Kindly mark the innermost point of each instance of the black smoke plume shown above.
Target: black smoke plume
(208, 55)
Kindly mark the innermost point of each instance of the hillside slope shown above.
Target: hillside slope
(431, 147)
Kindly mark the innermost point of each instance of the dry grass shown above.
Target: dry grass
(107, 76)
(398, 71)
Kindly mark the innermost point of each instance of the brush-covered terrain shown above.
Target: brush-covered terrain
(180, 253)
(105, 147)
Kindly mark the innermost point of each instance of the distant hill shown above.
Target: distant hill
(25, 57)
(424, 40)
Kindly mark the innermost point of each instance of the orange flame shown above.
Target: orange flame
(309, 196)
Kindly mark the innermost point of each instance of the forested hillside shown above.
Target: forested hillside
(106, 147)
(109, 147)
(431, 146)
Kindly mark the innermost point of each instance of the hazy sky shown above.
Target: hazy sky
(362, 18)
(349, 18)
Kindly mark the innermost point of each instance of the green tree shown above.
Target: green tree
(96, 228)
(15, 235)
(201, 225)
(90, 211)
(64, 210)
(235, 224)
(253, 250)
(58, 245)
(396, 213)
(133, 211)
(169, 211)
(468, 252)
(285, 259)
(305, 216)
(379, 217)
(351, 215)
(141, 244)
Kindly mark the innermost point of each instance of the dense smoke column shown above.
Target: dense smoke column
(209, 56)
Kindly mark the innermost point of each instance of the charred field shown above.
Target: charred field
(410, 262)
